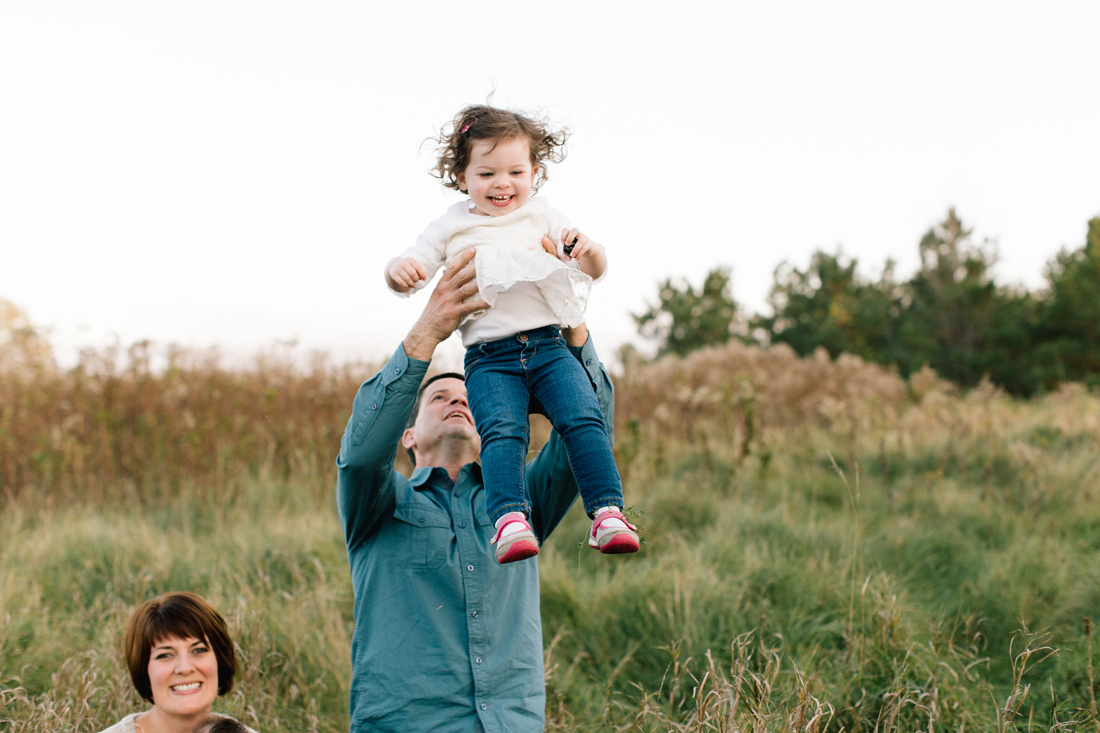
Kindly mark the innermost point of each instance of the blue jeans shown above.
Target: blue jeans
(534, 372)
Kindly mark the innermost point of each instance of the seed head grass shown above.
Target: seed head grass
(828, 547)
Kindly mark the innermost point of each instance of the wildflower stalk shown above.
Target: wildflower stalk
(1092, 683)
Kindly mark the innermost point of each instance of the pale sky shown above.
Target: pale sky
(238, 173)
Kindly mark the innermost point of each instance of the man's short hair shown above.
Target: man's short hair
(416, 405)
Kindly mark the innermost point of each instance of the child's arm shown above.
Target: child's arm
(590, 256)
(412, 269)
(402, 273)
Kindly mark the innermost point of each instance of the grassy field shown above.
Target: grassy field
(827, 547)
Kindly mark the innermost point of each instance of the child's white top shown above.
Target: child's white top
(525, 287)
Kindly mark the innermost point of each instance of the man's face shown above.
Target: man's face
(444, 416)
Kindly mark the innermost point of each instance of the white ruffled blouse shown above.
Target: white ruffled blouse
(524, 286)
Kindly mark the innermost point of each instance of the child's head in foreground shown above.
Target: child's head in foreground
(221, 725)
(496, 156)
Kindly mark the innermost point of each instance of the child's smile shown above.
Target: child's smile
(499, 180)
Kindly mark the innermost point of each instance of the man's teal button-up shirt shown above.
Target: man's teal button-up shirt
(443, 634)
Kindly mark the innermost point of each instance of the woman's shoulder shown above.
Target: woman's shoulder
(126, 725)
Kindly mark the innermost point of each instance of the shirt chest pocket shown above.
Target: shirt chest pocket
(423, 536)
(481, 517)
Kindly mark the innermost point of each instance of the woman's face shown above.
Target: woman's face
(184, 676)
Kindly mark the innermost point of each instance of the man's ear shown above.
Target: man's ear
(408, 439)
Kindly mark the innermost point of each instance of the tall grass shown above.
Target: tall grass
(115, 430)
(828, 547)
(272, 561)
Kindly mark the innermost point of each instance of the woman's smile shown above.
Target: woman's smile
(183, 674)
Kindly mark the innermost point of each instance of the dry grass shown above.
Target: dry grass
(113, 429)
(829, 547)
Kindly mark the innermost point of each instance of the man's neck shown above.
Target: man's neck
(450, 461)
(453, 471)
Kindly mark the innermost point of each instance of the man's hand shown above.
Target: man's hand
(403, 274)
(576, 336)
(446, 308)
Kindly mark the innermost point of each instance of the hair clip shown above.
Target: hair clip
(469, 125)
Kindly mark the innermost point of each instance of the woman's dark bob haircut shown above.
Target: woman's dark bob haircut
(183, 616)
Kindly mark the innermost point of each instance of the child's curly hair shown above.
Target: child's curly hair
(482, 122)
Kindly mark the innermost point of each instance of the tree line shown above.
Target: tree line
(950, 315)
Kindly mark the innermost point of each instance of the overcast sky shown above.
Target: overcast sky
(238, 173)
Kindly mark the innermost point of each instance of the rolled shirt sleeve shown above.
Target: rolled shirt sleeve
(365, 479)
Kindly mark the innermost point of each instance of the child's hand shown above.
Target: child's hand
(577, 245)
(405, 273)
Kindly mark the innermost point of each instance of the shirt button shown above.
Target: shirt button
(462, 525)
(478, 660)
(470, 568)
(374, 405)
(484, 706)
(396, 370)
(420, 519)
(474, 614)
(588, 362)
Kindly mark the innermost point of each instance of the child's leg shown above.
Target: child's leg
(560, 383)
(498, 397)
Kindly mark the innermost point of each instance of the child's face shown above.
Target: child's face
(499, 181)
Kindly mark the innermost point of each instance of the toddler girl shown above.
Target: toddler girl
(516, 359)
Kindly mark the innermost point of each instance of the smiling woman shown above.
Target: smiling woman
(180, 658)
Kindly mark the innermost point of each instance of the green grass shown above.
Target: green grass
(784, 576)
(70, 578)
(928, 570)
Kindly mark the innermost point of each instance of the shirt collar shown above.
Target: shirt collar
(421, 475)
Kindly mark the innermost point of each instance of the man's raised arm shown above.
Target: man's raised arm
(366, 481)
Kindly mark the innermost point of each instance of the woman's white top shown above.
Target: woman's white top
(129, 724)
(525, 287)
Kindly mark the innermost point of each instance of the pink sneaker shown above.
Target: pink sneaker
(612, 534)
(514, 539)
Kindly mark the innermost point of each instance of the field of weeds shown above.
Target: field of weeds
(827, 547)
